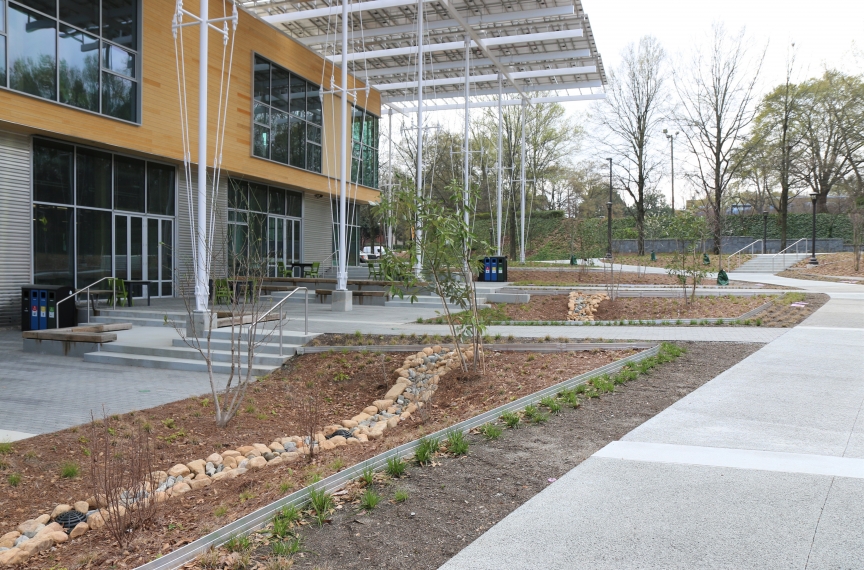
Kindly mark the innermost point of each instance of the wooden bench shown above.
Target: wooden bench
(359, 295)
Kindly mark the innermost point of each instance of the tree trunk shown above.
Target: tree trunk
(640, 229)
(822, 203)
(513, 230)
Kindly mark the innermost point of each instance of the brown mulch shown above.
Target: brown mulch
(647, 308)
(781, 313)
(729, 263)
(455, 500)
(833, 264)
(349, 382)
(574, 276)
(371, 340)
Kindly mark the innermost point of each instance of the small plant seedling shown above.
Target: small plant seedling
(341, 377)
(337, 464)
(169, 423)
(245, 496)
(552, 403)
(369, 500)
(321, 501)
(491, 431)
(69, 470)
(427, 447)
(220, 511)
(284, 487)
(420, 320)
(290, 514)
(14, 479)
(395, 467)
(5, 447)
(510, 419)
(287, 547)
(368, 475)
(281, 527)
(238, 544)
(456, 443)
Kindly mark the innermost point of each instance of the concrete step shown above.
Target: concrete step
(151, 321)
(163, 362)
(266, 336)
(423, 302)
(271, 348)
(187, 353)
(769, 263)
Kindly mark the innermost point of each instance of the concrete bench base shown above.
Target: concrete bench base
(60, 347)
(363, 297)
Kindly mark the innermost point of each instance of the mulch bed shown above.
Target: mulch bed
(834, 264)
(783, 313)
(348, 383)
(455, 500)
(729, 263)
(567, 277)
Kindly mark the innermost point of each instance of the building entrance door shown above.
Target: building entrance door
(143, 251)
(283, 244)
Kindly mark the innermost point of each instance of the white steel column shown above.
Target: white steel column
(344, 156)
(201, 286)
(418, 230)
(500, 165)
(522, 181)
(390, 179)
(466, 191)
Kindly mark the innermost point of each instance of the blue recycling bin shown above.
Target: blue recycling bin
(34, 309)
(40, 310)
(43, 309)
(487, 269)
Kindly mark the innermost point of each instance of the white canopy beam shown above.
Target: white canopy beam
(336, 10)
(445, 46)
(484, 62)
(479, 92)
(444, 24)
(507, 102)
(487, 78)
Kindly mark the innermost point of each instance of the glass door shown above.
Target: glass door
(129, 243)
(283, 244)
(160, 239)
(143, 251)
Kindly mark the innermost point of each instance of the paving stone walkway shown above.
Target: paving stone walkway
(762, 467)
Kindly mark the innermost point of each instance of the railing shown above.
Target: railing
(738, 253)
(87, 288)
(281, 318)
(784, 252)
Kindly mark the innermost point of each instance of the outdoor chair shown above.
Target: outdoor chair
(376, 271)
(117, 287)
(312, 271)
(281, 271)
(221, 292)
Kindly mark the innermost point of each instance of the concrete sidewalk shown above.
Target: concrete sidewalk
(762, 467)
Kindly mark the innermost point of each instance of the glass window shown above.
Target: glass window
(298, 143)
(167, 256)
(93, 178)
(53, 251)
(313, 134)
(94, 245)
(313, 158)
(2, 56)
(298, 97)
(258, 197)
(52, 172)
(118, 60)
(79, 69)
(120, 22)
(128, 184)
(119, 97)
(279, 149)
(82, 14)
(45, 6)
(262, 114)
(277, 201)
(262, 80)
(279, 91)
(2, 17)
(160, 189)
(261, 141)
(238, 195)
(313, 105)
(295, 204)
(32, 53)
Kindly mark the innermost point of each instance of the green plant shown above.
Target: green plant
(603, 384)
(491, 431)
(368, 475)
(321, 500)
(168, 423)
(238, 543)
(426, 448)
(571, 397)
(395, 467)
(288, 547)
(552, 403)
(337, 464)
(369, 500)
(245, 496)
(341, 377)
(456, 443)
(14, 479)
(250, 409)
(284, 487)
(205, 402)
(290, 514)
(510, 419)
(400, 496)
(536, 416)
(5, 447)
(147, 427)
(220, 511)
(69, 470)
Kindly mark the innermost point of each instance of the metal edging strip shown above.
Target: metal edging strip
(259, 519)
(521, 347)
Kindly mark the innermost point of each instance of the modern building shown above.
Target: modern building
(92, 178)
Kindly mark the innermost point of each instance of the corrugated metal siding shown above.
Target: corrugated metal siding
(15, 220)
(183, 258)
(317, 228)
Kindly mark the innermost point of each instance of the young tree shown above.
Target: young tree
(630, 119)
(717, 95)
(688, 230)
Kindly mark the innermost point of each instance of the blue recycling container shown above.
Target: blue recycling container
(487, 269)
(34, 309)
(43, 309)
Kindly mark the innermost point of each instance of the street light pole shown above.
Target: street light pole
(609, 215)
(672, 156)
(813, 260)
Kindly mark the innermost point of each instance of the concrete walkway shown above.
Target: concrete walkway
(762, 467)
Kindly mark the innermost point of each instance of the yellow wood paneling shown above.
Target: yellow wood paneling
(159, 133)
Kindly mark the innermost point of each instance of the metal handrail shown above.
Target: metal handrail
(784, 250)
(87, 288)
(279, 305)
(738, 253)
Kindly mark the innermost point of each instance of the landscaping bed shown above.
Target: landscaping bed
(431, 512)
(790, 309)
(185, 431)
(729, 263)
(833, 264)
(575, 276)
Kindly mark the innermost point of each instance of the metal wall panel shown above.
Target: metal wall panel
(15, 221)
(317, 228)
(183, 268)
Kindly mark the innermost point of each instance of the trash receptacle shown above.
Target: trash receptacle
(39, 310)
(501, 263)
(573, 260)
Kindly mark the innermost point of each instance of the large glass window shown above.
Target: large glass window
(286, 117)
(97, 214)
(364, 153)
(82, 53)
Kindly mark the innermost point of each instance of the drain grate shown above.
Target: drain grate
(70, 518)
